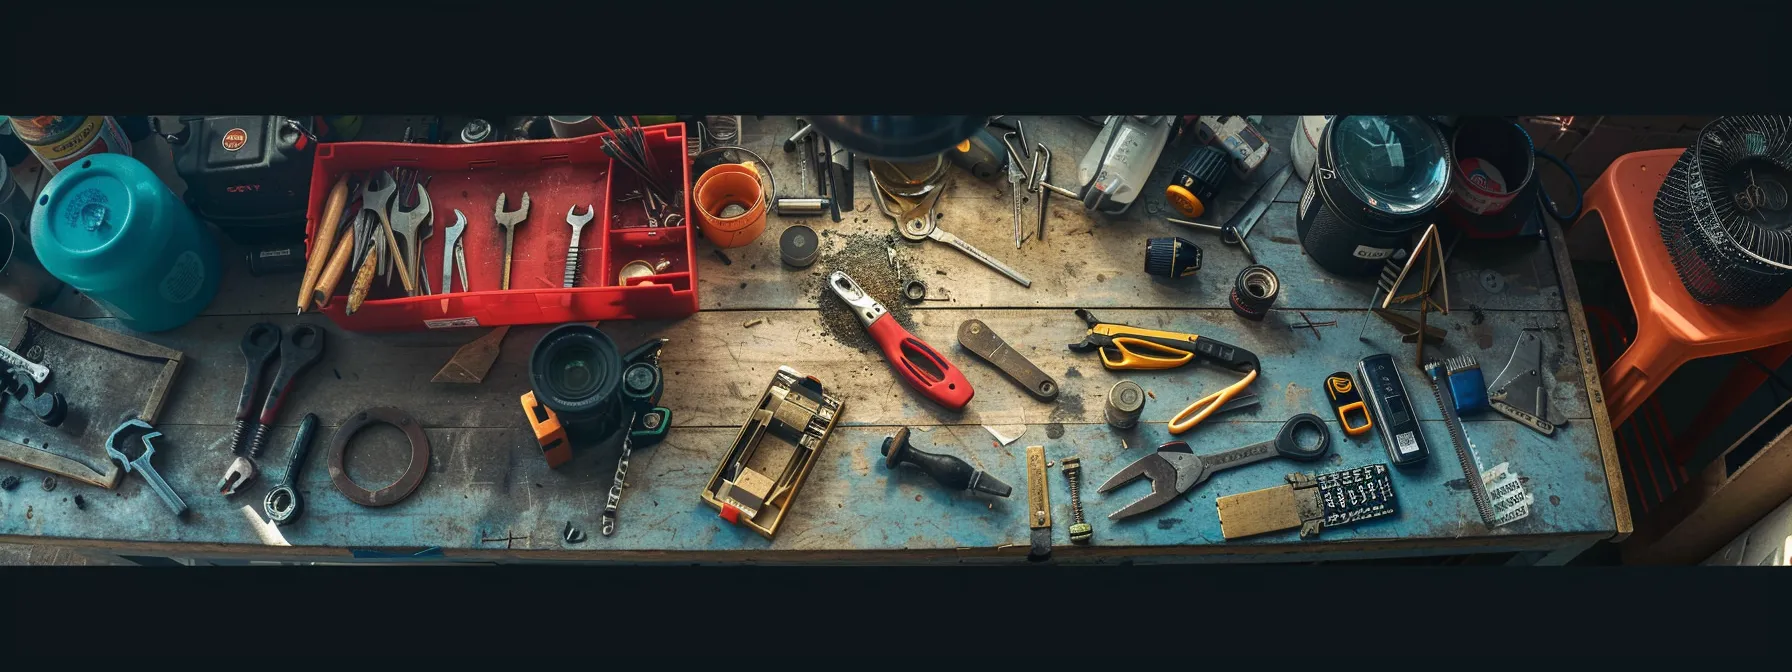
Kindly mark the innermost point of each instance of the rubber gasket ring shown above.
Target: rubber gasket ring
(406, 484)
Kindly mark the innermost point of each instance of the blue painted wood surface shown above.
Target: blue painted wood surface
(490, 495)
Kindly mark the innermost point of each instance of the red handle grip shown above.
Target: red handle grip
(921, 366)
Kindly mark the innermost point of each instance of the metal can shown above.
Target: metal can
(60, 141)
(1126, 402)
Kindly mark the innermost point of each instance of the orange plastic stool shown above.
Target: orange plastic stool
(1672, 327)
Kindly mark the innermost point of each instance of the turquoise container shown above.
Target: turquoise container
(108, 227)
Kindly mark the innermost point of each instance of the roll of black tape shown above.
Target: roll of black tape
(1254, 291)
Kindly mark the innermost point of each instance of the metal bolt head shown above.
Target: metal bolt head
(49, 483)
(1080, 533)
(651, 421)
(1072, 464)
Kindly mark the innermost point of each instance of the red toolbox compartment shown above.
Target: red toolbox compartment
(559, 175)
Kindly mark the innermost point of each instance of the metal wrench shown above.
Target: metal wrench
(453, 254)
(509, 220)
(572, 249)
(142, 465)
(926, 225)
(39, 372)
(1175, 468)
(406, 225)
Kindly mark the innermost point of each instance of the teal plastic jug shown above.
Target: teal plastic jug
(108, 227)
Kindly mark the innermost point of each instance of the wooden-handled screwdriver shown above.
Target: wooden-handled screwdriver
(326, 234)
(332, 271)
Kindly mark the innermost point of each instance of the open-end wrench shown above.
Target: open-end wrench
(39, 372)
(141, 464)
(299, 349)
(453, 255)
(407, 224)
(260, 343)
(509, 220)
(572, 249)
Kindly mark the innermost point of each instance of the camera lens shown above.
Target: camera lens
(576, 371)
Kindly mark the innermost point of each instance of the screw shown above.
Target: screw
(1080, 531)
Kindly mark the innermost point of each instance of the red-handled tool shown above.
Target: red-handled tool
(916, 362)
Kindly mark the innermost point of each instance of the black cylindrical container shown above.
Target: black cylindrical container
(1172, 257)
(576, 371)
(1377, 180)
(1492, 192)
(1198, 178)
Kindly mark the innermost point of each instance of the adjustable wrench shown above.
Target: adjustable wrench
(572, 249)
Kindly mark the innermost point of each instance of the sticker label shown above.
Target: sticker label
(235, 138)
(1407, 443)
(282, 252)
(452, 323)
(183, 279)
(1366, 252)
(1511, 503)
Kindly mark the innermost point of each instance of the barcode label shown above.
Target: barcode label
(1406, 443)
(1510, 500)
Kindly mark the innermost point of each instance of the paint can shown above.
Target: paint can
(60, 141)
(1304, 146)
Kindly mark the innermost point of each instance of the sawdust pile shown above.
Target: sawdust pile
(866, 258)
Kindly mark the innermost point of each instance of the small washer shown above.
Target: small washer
(915, 291)
(799, 246)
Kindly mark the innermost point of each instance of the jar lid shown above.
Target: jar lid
(88, 205)
(1398, 165)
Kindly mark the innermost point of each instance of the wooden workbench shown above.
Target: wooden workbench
(489, 496)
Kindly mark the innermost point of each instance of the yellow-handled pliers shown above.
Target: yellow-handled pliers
(1128, 347)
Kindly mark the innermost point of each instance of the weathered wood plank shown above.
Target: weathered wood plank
(488, 489)
(715, 369)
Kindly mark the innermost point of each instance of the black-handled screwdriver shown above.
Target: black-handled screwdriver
(950, 471)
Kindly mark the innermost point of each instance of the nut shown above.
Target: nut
(1081, 532)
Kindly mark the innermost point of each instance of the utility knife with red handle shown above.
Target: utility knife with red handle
(916, 362)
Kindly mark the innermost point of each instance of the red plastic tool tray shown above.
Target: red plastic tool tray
(558, 175)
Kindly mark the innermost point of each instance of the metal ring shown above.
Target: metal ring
(406, 484)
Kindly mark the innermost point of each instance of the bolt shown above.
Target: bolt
(1080, 531)
(652, 421)
(49, 483)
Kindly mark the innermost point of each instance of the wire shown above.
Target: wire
(1549, 204)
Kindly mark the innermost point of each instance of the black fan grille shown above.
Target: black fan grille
(1725, 214)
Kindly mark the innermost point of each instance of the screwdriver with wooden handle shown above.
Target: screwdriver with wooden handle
(326, 234)
(332, 273)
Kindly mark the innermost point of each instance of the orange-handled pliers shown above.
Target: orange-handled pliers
(1128, 347)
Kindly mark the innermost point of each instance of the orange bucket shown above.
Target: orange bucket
(725, 185)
